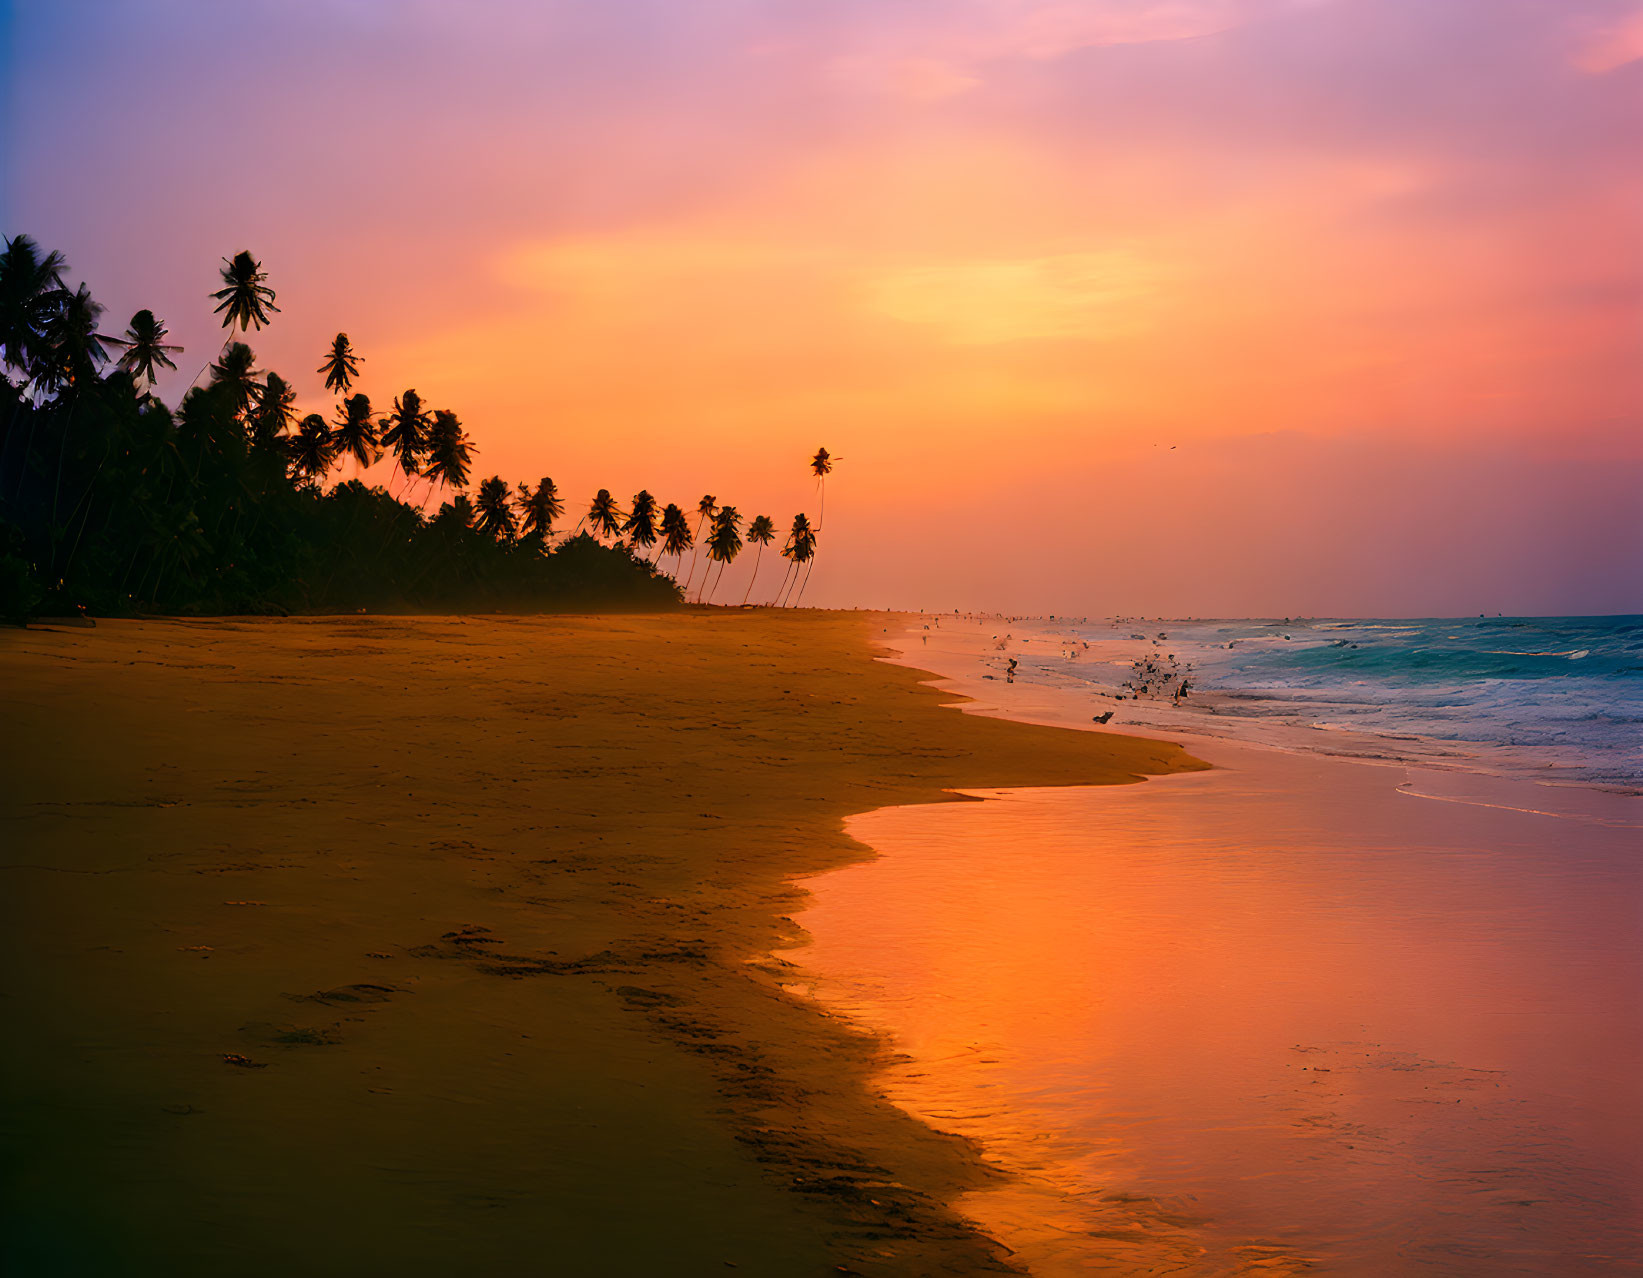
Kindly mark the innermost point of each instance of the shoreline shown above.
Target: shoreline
(467, 923)
(908, 957)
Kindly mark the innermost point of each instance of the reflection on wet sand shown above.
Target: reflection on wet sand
(1277, 1016)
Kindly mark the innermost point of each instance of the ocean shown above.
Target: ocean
(1553, 699)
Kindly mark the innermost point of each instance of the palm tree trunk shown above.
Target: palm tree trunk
(695, 546)
(757, 559)
(57, 488)
(808, 568)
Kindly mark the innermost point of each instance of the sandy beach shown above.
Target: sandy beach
(413, 946)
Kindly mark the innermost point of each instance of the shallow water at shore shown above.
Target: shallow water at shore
(1544, 699)
(1297, 1012)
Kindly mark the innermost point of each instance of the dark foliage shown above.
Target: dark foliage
(112, 502)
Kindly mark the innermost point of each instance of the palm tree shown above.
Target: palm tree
(405, 433)
(145, 348)
(236, 369)
(75, 347)
(356, 431)
(310, 448)
(704, 512)
(341, 366)
(604, 517)
(800, 549)
(450, 452)
(676, 538)
(804, 552)
(31, 291)
(494, 503)
(724, 543)
(640, 525)
(762, 531)
(75, 350)
(275, 412)
(821, 466)
(541, 507)
(245, 298)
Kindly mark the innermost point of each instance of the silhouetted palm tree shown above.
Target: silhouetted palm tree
(405, 433)
(542, 508)
(341, 365)
(821, 466)
(236, 370)
(245, 298)
(31, 291)
(356, 431)
(761, 532)
(450, 452)
(145, 347)
(76, 347)
(276, 410)
(604, 517)
(704, 512)
(800, 549)
(640, 525)
(804, 552)
(724, 543)
(493, 501)
(676, 538)
(310, 448)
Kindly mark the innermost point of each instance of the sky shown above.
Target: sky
(1158, 307)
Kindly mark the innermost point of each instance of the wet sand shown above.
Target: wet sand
(1294, 1013)
(416, 946)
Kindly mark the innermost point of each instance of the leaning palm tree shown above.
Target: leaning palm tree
(450, 451)
(541, 507)
(355, 434)
(275, 412)
(405, 434)
(640, 525)
(145, 348)
(236, 369)
(676, 538)
(245, 297)
(724, 543)
(494, 501)
(761, 532)
(604, 517)
(704, 512)
(804, 552)
(800, 549)
(310, 449)
(341, 365)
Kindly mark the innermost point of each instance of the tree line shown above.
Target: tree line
(237, 502)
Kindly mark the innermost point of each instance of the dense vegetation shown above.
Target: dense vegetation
(113, 502)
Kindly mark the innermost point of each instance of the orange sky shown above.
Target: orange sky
(1188, 306)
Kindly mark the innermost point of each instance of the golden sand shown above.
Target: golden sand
(442, 945)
